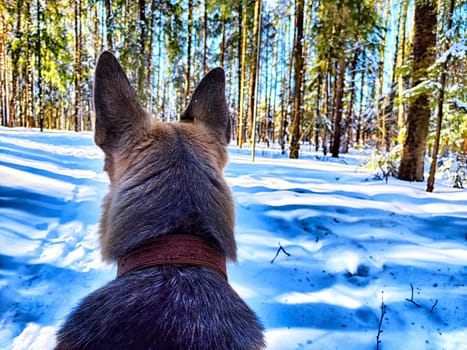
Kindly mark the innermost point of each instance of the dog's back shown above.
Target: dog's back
(165, 180)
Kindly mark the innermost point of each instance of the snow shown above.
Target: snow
(354, 243)
(457, 50)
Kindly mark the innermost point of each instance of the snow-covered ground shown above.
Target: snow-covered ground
(353, 244)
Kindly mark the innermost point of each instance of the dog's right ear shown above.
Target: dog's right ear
(119, 114)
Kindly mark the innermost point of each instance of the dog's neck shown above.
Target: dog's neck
(174, 249)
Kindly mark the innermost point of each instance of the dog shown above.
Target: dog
(168, 221)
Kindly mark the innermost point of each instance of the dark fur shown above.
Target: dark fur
(164, 179)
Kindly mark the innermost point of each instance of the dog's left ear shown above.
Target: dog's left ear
(209, 106)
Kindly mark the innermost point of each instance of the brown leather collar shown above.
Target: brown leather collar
(174, 249)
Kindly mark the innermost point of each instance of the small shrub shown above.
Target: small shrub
(454, 170)
(385, 164)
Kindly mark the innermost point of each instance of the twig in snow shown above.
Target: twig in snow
(281, 248)
(434, 305)
(380, 324)
(411, 298)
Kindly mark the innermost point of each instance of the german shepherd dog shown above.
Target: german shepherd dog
(168, 221)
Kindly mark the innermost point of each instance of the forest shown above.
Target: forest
(387, 75)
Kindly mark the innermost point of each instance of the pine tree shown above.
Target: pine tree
(298, 79)
(254, 63)
(439, 116)
(424, 41)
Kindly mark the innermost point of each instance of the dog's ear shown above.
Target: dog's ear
(119, 114)
(209, 106)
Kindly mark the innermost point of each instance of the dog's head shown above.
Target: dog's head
(165, 178)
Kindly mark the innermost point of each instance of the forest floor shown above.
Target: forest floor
(352, 246)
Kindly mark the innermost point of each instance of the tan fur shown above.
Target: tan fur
(157, 148)
(165, 179)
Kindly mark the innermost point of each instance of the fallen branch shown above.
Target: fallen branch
(380, 324)
(434, 305)
(281, 248)
(411, 298)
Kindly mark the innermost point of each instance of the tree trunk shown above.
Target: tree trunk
(287, 86)
(358, 137)
(3, 77)
(401, 127)
(241, 76)
(253, 68)
(380, 116)
(205, 37)
(188, 60)
(283, 103)
(149, 59)
(327, 106)
(109, 24)
(141, 70)
(317, 110)
(298, 80)
(439, 117)
(39, 65)
(222, 48)
(349, 123)
(159, 104)
(424, 42)
(338, 107)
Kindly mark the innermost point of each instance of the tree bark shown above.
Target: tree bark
(188, 60)
(298, 80)
(349, 123)
(401, 127)
(142, 50)
(317, 110)
(3, 77)
(39, 65)
(338, 107)
(241, 76)
(439, 117)
(205, 37)
(149, 59)
(222, 48)
(109, 24)
(253, 68)
(380, 116)
(412, 163)
(358, 137)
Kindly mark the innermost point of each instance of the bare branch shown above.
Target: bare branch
(281, 248)
(434, 305)
(380, 324)
(411, 298)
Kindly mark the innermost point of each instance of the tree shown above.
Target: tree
(381, 100)
(298, 79)
(241, 71)
(341, 28)
(77, 67)
(254, 65)
(439, 116)
(4, 86)
(109, 24)
(188, 59)
(399, 69)
(423, 55)
(338, 106)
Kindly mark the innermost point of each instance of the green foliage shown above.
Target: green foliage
(385, 164)
(341, 24)
(454, 170)
(174, 29)
(156, 49)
